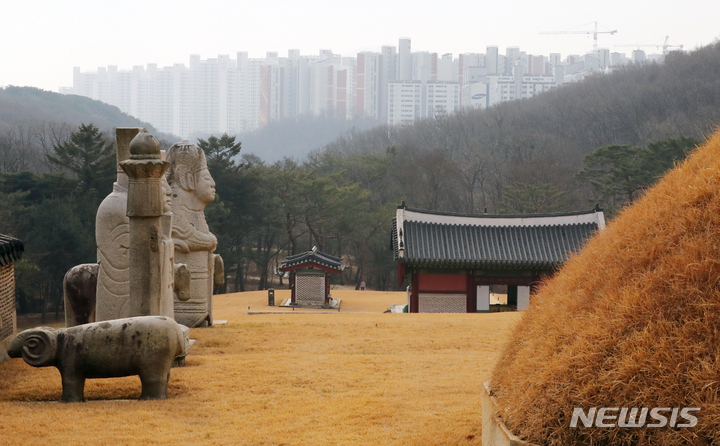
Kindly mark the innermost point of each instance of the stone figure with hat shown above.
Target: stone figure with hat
(193, 188)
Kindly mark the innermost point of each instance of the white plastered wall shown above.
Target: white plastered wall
(483, 298)
(523, 297)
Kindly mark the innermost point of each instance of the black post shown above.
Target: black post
(512, 295)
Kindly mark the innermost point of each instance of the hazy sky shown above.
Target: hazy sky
(42, 40)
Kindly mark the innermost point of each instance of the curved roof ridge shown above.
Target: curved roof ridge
(558, 225)
(460, 214)
(313, 256)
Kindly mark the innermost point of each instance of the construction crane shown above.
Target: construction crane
(665, 45)
(594, 32)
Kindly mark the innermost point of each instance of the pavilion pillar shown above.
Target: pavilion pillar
(471, 293)
(415, 293)
(327, 289)
(293, 286)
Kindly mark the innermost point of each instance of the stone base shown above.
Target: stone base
(494, 431)
(334, 304)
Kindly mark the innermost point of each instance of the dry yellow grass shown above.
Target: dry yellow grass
(357, 377)
(632, 321)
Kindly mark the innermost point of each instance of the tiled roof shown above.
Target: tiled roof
(313, 256)
(11, 249)
(432, 239)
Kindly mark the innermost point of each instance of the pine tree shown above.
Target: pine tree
(89, 157)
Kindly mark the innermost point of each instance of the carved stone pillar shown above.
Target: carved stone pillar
(145, 208)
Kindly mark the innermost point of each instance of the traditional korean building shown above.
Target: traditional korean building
(450, 260)
(310, 277)
(11, 250)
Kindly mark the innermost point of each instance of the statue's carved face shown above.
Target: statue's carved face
(167, 195)
(204, 187)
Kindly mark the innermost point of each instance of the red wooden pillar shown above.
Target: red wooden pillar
(327, 289)
(471, 293)
(415, 293)
(292, 287)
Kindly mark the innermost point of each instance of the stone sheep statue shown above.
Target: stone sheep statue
(80, 285)
(79, 290)
(144, 346)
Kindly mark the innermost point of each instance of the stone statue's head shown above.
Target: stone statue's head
(188, 171)
(37, 346)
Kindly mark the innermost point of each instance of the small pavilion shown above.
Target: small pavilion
(450, 260)
(310, 277)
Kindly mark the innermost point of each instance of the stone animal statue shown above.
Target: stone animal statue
(144, 346)
(79, 288)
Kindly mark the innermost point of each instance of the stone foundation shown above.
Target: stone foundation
(494, 431)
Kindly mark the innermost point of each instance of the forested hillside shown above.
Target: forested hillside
(33, 120)
(532, 148)
(603, 140)
(30, 106)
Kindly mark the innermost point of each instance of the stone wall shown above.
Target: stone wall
(8, 320)
(442, 303)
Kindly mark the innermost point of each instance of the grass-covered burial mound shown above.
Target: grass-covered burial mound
(633, 321)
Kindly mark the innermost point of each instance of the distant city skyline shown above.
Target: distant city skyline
(41, 43)
(395, 85)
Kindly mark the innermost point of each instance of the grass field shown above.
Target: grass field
(353, 377)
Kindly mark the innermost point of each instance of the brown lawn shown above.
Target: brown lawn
(352, 377)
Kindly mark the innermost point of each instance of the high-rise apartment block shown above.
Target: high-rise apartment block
(395, 85)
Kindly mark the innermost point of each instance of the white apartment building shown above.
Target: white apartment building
(330, 77)
(367, 85)
(405, 103)
(468, 61)
(441, 98)
(484, 91)
(446, 68)
(388, 73)
(249, 71)
(492, 60)
(404, 61)
(412, 100)
(424, 66)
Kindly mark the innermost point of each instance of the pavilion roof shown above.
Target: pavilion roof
(11, 249)
(313, 257)
(530, 241)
